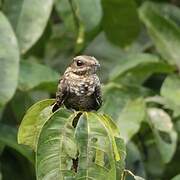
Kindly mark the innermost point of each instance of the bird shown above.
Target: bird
(79, 88)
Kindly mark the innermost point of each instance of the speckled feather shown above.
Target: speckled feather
(80, 88)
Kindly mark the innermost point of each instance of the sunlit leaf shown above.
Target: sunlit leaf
(9, 61)
(164, 33)
(34, 75)
(164, 133)
(33, 121)
(29, 18)
(120, 21)
(8, 138)
(56, 147)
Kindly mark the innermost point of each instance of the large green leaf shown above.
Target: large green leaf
(130, 118)
(170, 90)
(56, 147)
(33, 122)
(9, 61)
(29, 18)
(120, 21)
(100, 152)
(8, 138)
(164, 133)
(34, 75)
(139, 66)
(163, 31)
(98, 148)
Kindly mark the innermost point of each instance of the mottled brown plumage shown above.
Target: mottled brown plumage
(79, 88)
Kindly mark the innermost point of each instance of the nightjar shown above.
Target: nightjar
(79, 88)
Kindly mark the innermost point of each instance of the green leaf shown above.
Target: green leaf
(34, 75)
(177, 177)
(33, 122)
(164, 32)
(56, 147)
(116, 96)
(120, 21)
(9, 61)
(129, 121)
(91, 137)
(164, 133)
(29, 18)
(8, 136)
(95, 136)
(170, 90)
(139, 65)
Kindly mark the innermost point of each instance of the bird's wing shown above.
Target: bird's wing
(61, 94)
(98, 96)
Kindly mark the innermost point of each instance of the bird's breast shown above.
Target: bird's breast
(82, 86)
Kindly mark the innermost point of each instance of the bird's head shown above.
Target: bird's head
(84, 65)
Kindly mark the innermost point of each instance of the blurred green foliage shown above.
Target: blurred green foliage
(138, 45)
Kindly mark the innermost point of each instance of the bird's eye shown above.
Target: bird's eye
(79, 63)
